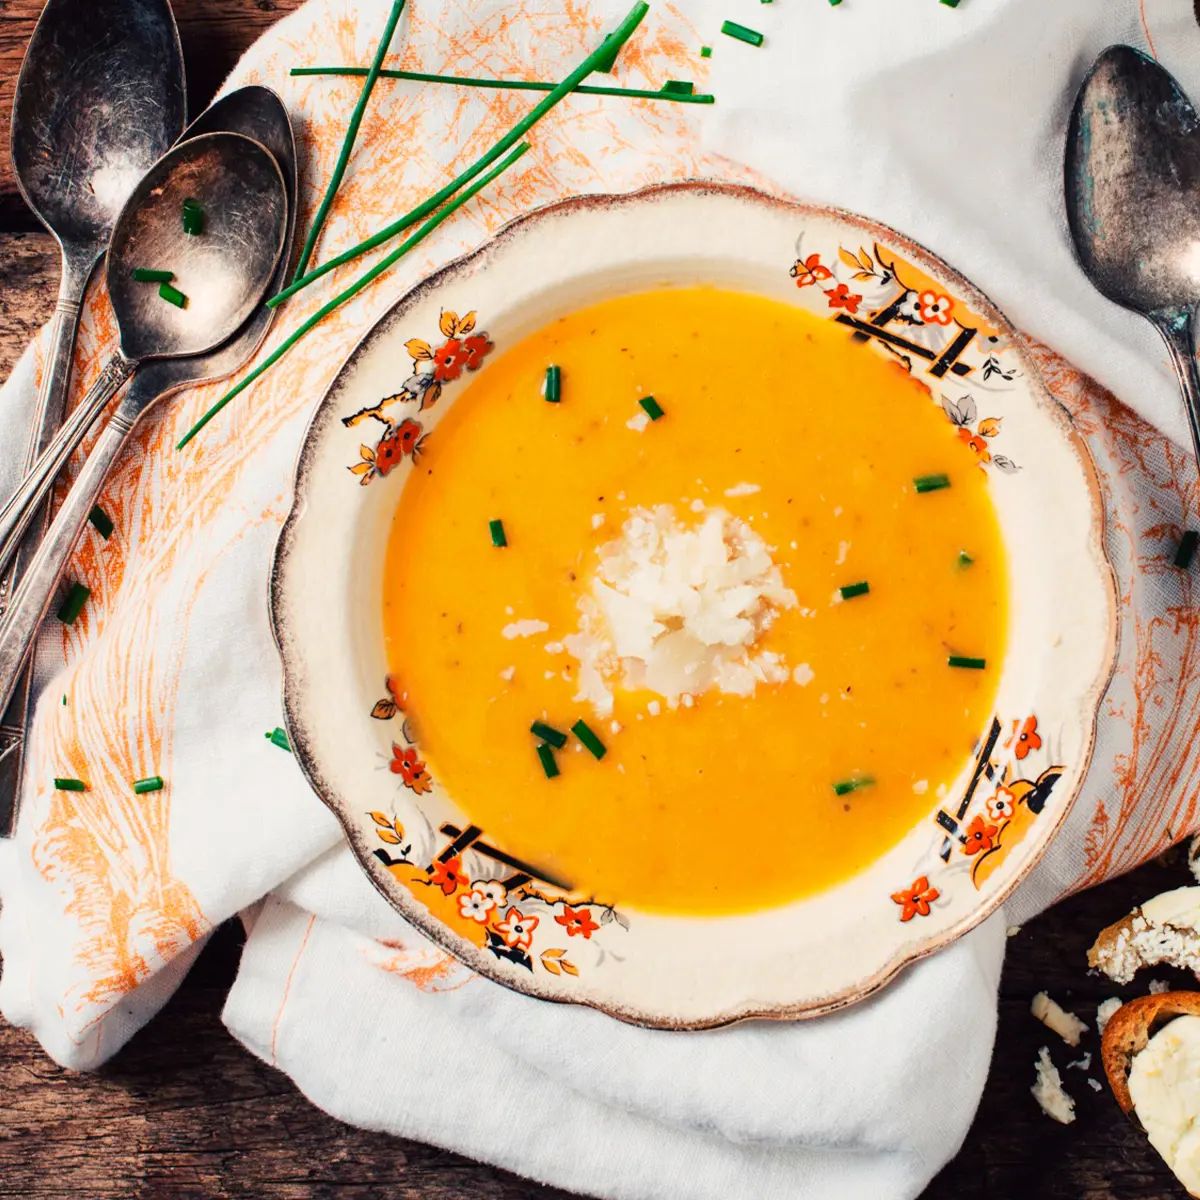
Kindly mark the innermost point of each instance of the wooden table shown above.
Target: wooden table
(185, 1111)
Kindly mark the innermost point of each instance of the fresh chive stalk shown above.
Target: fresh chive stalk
(153, 784)
(931, 483)
(679, 87)
(172, 295)
(549, 763)
(652, 407)
(70, 785)
(846, 786)
(279, 738)
(72, 606)
(548, 733)
(147, 275)
(584, 733)
(193, 218)
(552, 388)
(101, 521)
(854, 589)
(742, 33)
(1186, 550)
(969, 664)
(499, 537)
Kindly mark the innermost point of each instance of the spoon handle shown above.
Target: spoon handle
(17, 515)
(1178, 329)
(20, 624)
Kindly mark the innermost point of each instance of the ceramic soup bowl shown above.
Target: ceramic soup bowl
(491, 910)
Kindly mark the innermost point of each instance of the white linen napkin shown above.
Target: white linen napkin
(106, 902)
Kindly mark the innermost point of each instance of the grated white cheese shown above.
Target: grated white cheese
(1104, 1012)
(508, 673)
(803, 675)
(743, 489)
(1095, 1085)
(1082, 1064)
(598, 519)
(921, 787)
(1048, 1090)
(526, 628)
(639, 422)
(678, 610)
(843, 550)
(1066, 1024)
(1159, 986)
(1012, 930)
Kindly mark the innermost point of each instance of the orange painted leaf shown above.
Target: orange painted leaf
(359, 469)
(432, 395)
(448, 322)
(384, 709)
(990, 427)
(419, 350)
(863, 275)
(553, 953)
(380, 819)
(867, 264)
(550, 965)
(388, 836)
(467, 323)
(366, 453)
(847, 256)
(569, 967)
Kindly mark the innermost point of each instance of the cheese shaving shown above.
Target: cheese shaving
(1048, 1090)
(1051, 1014)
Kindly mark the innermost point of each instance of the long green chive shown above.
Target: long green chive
(548, 733)
(193, 218)
(931, 483)
(678, 87)
(101, 521)
(742, 33)
(353, 290)
(146, 275)
(964, 559)
(618, 38)
(1187, 549)
(549, 765)
(499, 537)
(72, 606)
(521, 85)
(652, 407)
(846, 786)
(608, 59)
(172, 295)
(581, 730)
(706, 52)
(70, 785)
(971, 664)
(854, 589)
(279, 738)
(552, 388)
(343, 160)
(153, 784)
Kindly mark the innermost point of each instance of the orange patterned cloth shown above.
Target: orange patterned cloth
(107, 896)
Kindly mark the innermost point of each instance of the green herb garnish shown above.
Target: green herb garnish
(1186, 550)
(172, 295)
(548, 733)
(101, 521)
(72, 606)
(964, 559)
(552, 388)
(581, 730)
(947, 3)
(971, 664)
(846, 786)
(652, 407)
(679, 87)
(499, 538)
(549, 765)
(706, 52)
(193, 218)
(742, 33)
(146, 275)
(70, 785)
(153, 784)
(854, 589)
(279, 738)
(931, 483)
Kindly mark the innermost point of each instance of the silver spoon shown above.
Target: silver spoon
(99, 99)
(258, 113)
(1133, 200)
(224, 273)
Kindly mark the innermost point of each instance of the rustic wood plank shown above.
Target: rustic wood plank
(29, 268)
(214, 34)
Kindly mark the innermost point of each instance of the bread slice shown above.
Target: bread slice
(1165, 929)
(1129, 1030)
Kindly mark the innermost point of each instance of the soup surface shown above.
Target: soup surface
(777, 424)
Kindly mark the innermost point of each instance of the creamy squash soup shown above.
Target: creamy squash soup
(697, 604)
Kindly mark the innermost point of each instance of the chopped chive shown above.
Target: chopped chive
(854, 589)
(846, 786)
(70, 785)
(835, 3)
(279, 738)
(950, 3)
(102, 522)
(193, 218)
(971, 664)
(499, 537)
(549, 765)
(147, 275)
(172, 295)
(1187, 549)
(589, 739)
(153, 784)
(680, 87)
(552, 388)
(706, 52)
(652, 407)
(72, 606)
(931, 483)
(64, 700)
(742, 33)
(548, 733)
(964, 559)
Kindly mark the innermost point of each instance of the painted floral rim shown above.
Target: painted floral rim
(495, 914)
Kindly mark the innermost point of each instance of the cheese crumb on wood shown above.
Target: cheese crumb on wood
(1158, 987)
(1165, 929)
(1104, 1012)
(1082, 1064)
(1095, 1085)
(1066, 1024)
(1048, 1090)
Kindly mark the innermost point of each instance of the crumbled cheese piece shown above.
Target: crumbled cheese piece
(654, 708)
(1158, 986)
(843, 550)
(1164, 1084)
(743, 489)
(687, 699)
(638, 422)
(598, 519)
(1095, 1085)
(615, 727)
(803, 675)
(554, 647)
(1066, 1024)
(1013, 930)
(921, 787)
(1082, 1064)
(526, 628)
(508, 673)
(697, 506)
(1104, 1012)
(678, 610)
(1048, 1090)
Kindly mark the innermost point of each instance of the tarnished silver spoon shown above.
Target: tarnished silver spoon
(1133, 200)
(224, 273)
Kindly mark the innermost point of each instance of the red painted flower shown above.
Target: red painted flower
(915, 901)
(842, 297)
(577, 920)
(980, 836)
(410, 768)
(398, 441)
(935, 309)
(449, 875)
(449, 360)
(477, 347)
(517, 929)
(976, 443)
(809, 271)
(1027, 737)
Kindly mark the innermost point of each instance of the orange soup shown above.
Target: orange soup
(738, 588)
